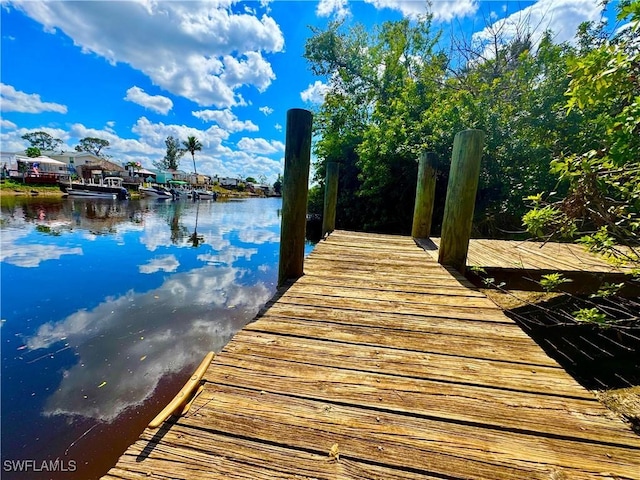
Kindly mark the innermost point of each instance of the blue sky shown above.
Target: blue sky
(134, 72)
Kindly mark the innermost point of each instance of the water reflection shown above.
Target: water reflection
(103, 301)
(130, 342)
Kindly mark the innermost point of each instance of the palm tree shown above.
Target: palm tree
(193, 145)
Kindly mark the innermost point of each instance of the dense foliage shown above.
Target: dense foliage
(545, 107)
(171, 159)
(602, 204)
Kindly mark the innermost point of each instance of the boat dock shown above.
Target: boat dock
(521, 264)
(380, 363)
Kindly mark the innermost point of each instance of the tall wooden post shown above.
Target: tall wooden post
(461, 198)
(425, 195)
(330, 198)
(295, 190)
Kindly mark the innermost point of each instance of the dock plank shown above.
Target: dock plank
(545, 380)
(432, 446)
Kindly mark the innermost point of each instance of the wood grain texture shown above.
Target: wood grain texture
(529, 255)
(425, 195)
(403, 366)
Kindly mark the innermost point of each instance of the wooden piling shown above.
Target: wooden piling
(330, 198)
(461, 197)
(425, 195)
(295, 190)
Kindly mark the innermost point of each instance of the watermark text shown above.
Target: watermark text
(57, 465)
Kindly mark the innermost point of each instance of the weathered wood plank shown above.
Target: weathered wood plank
(349, 292)
(510, 350)
(533, 256)
(352, 281)
(488, 314)
(442, 279)
(214, 455)
(397, 321)
(543, 380)
(523, 412)
(332, 244)
(402, 441)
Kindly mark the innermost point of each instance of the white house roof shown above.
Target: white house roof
(40, 159)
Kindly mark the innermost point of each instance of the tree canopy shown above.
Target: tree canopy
(392, 94)
(601, 205)
(171, 159)
(93, 145)
(42, 140)
(33, 152)
(192, 145)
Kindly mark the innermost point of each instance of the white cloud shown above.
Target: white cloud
(7, 124)
(251, 69)
(12, 100)
(260, 145)
(266, 110)
(164, 263)
(157, 103)
(315, 92)
(562, 17)
(445, 10)
(200, 50)
(278, 127)
(226, 119)
(29, 256)
(339, 8)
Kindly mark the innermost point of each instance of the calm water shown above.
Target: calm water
(106, 309)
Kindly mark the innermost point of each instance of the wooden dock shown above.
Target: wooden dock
(520, 264)
(380, 363)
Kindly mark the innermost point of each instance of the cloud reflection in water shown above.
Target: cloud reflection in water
(132, 341)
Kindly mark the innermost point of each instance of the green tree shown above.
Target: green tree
(517, 98)
(251, 180)
(365, 122)
(93, 145)
(171, 159)
(192, 145)
(42, 140)
(33, 152)
(602, 203)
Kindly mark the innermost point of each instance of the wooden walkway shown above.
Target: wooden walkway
(520, 264)
(380, 363)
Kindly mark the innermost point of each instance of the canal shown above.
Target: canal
(106, 308)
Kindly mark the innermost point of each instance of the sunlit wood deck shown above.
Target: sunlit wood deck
(520, 264)
(398, 367)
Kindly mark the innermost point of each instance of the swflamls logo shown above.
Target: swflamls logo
(56, 465)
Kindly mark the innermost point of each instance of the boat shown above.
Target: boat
(109, 187)
(156, 191)
(203, 194)
(75, 192)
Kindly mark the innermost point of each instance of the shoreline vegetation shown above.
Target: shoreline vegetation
(10, 188)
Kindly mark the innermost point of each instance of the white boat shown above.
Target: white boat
(155, 191)
(75, 192)
(109, 187)
(204, 194)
